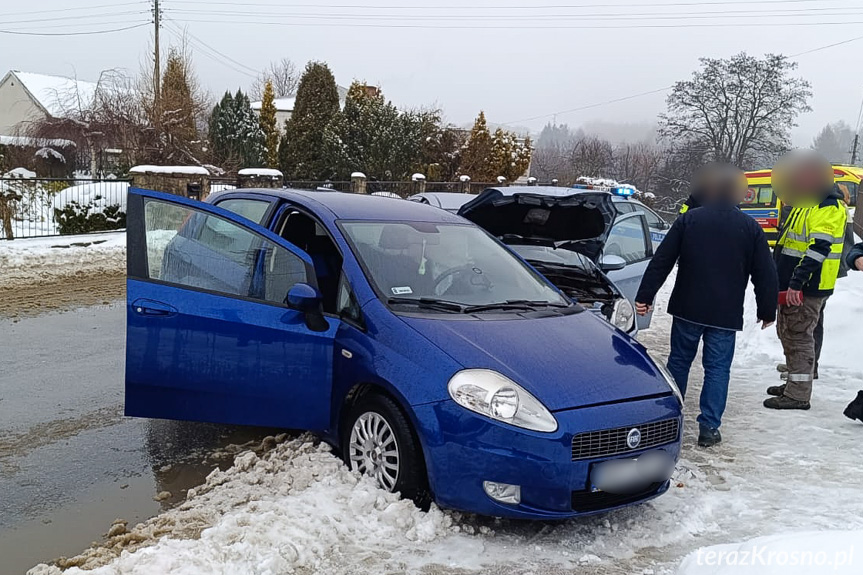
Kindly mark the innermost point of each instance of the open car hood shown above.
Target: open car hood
(578, 221)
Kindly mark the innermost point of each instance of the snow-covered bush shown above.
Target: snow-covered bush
(74, 218)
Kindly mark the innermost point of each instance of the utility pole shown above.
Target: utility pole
(157, 72)
(854, 149)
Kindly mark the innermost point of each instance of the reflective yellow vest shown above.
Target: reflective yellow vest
(811, 244)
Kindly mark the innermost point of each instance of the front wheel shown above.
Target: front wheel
(378, 441)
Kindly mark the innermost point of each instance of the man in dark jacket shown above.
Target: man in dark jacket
(718, 249)
(854, 259)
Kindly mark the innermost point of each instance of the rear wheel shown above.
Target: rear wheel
(378, 441)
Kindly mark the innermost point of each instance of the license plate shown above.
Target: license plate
(633, 474)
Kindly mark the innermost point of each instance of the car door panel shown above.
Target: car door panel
(208, 338)
(630, 239)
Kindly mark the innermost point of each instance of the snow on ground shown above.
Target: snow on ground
(297, 509)
(25, 261)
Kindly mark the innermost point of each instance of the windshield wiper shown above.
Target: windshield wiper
(428, 302)
(513, 304)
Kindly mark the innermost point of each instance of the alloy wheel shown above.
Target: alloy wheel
(374, 450)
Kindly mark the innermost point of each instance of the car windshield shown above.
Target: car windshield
(454, 265)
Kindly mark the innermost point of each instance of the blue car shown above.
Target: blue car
(432, 358)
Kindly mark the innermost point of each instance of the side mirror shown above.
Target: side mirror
(303, 297)
(611, 263)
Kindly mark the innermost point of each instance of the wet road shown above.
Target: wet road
(70, 462)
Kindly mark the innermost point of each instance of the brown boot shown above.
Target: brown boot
(785, 402)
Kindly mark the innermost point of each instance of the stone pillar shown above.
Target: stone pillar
(464, 180)
(260, 178)
(531, 181)
(358, 183)
(501, 181)
(187, 181)
(418, 183)
(554, 181)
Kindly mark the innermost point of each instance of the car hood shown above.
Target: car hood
(579, 221)
(565, 361)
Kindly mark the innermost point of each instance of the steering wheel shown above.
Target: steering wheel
(475, 274)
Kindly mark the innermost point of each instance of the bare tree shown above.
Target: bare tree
(284, 76)
(740, 110)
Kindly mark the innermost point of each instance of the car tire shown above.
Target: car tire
(375, 428)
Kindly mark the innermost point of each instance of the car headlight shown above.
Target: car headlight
(623, 315)
(496, 396)
(668, 377)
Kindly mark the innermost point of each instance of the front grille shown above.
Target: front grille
(587, 501)
(610, 442)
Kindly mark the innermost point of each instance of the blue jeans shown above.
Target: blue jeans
(716, 359)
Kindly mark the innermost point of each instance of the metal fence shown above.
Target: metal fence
(38, 207)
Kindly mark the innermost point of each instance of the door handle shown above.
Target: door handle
(150, 308)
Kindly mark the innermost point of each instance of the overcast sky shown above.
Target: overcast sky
(519, 60)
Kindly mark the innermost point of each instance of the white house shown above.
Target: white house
(27, 97)
(285, 106)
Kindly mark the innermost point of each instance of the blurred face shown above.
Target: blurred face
(802, 178)
(720, 183)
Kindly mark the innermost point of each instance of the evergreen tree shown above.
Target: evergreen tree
(268, 125)
(476, 154)
(235, 134)
(301, 153)
(509, 157)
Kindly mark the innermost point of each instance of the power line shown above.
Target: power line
(209, 51)
(606, 16)
(87, 33)
(75, 8)
(80, 17)
(666, 88)
(329, 23)
(521, 7)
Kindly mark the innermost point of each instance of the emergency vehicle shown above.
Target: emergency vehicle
(762, 204)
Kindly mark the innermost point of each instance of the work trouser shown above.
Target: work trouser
(796, 328)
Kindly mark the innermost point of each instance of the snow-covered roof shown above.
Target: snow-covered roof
(282, 104)
(260, 172)
(189, 170)
(23, 141)
(57, 95)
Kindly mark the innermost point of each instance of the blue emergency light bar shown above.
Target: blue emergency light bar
(625, 191)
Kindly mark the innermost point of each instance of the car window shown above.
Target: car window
(653, 221)
(849, 191)
(759, 196)
(254, 210)
(623, 207)
(346, 304)
(627, 240)
(192, 248)
(456, 262)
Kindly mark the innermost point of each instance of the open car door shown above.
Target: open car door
(630, 239)
(209, 336)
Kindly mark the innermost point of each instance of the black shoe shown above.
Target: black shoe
(785, 402)
(855, 408)
(776, 390)
(708, 437)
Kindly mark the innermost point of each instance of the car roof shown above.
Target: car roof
(446, 200)
(348, 206)
(538, 190)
